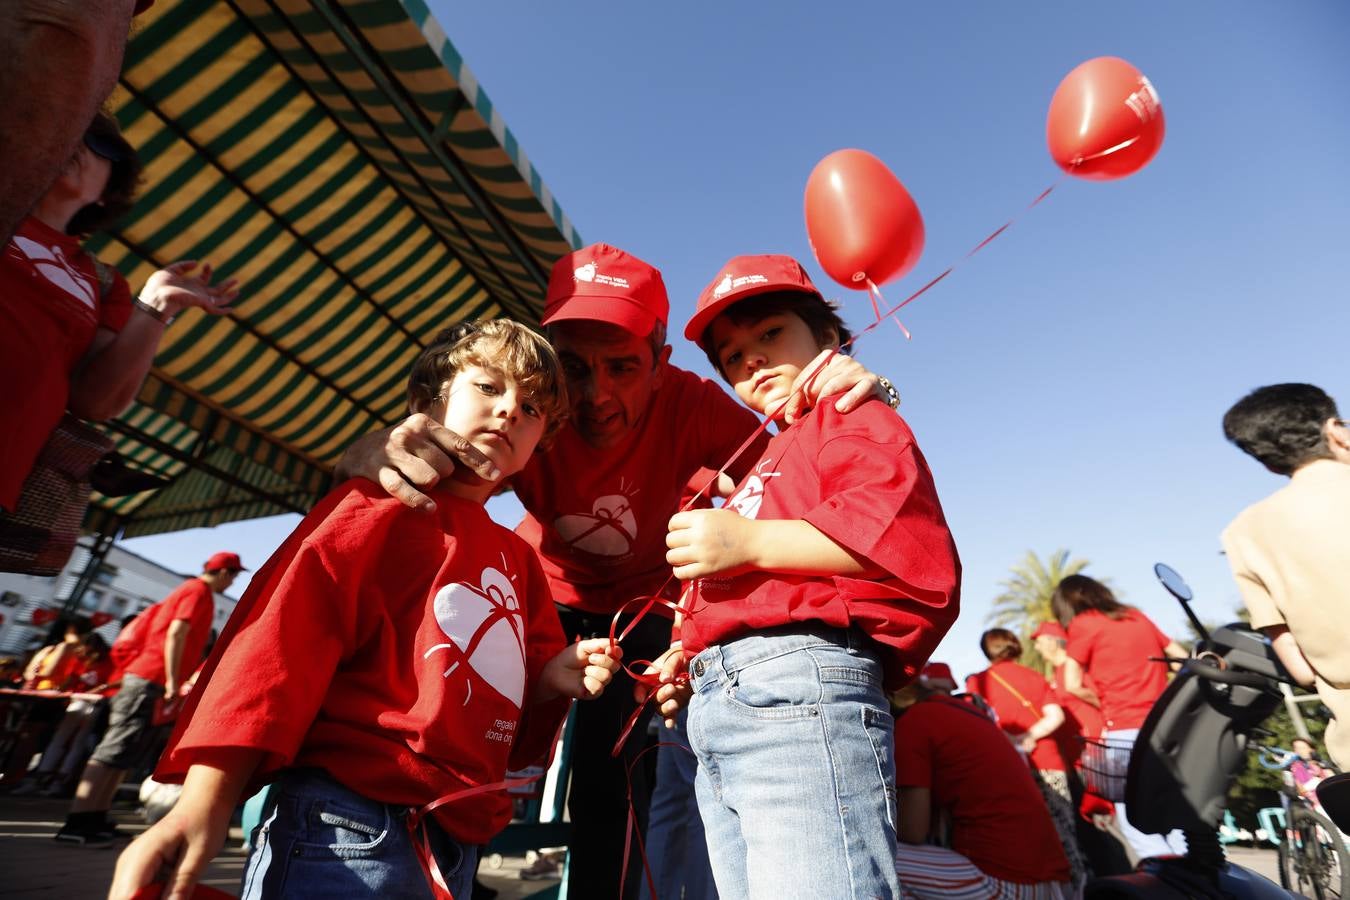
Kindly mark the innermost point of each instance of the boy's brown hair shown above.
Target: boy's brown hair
(820, 315)
(509, 347)
(1000, 644)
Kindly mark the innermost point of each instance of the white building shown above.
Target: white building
(123, 585)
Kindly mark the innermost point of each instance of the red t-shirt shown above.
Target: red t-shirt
(861, 481)
(392, 649)
(191, 602)
(51, 305)
(598, 517)
(999, 819)
(1081, 719)
(1009, 699)
(1117, 654)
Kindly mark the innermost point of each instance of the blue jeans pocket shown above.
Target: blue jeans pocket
(879, 726)
(335, 828)
(780, 687)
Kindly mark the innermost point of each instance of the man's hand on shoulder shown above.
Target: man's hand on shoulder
(840, 373)
(411, 458)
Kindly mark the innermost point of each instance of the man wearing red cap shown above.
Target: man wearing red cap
(172, 636)
(598, 501)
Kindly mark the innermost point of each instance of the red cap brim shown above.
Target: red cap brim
(618, 311)
(704, 317)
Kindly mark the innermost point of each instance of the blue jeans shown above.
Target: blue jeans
(1144, 845)
(676, 847)
(319, 839)
(796, 766)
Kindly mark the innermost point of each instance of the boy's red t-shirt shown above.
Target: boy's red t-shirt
(393, 649)
(1118, 654)
(862, 482)
(598, 516)
(999, 819)
(192, 602)
(1014, 717)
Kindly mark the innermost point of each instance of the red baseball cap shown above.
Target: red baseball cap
(744, 276)
(932, 673)
(1050, 629)
(605, 284)
(224, 560)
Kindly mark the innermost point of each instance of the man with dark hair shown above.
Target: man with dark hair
(172, 636)
(1290, 553)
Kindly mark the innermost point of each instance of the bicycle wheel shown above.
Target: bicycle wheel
(1316, 862)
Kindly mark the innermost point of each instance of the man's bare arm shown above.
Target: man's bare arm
(411, 458)
(1287, 649)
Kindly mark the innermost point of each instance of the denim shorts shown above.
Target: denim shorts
(796, 765)
(320, 839)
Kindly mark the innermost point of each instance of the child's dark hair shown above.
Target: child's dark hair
(104, 138)
(501, 344)
(1079, 593)
(819, 314)
(1281, 425)
(1000, 644)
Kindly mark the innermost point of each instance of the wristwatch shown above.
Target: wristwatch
(892, 394)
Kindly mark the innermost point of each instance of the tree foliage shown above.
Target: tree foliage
(1025, 600)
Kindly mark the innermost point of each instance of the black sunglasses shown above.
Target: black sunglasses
(110, 149)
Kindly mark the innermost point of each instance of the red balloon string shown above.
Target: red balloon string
(633, 831)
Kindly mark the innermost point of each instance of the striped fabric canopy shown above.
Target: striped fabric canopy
(342, 162)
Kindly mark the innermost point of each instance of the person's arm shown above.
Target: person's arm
(841, 373)
(1052, 716)
(37, 667)
(1173, 650)
(1073, 683)
(581, 671)
(914, 817)
(111, 372)
(182, 844)
(174, 643)
(410, 458)
(720, 541)
(1289, 653)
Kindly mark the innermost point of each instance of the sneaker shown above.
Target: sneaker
(26, 788)
(543, 867)
(83, 837)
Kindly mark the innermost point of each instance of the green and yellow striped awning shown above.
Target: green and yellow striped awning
(342, 161)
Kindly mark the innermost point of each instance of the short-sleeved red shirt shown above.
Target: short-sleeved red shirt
(51, 306)
(1019, 700)
(862, 482)
(1081, 719)
(598, 517)
(1117, 654)
(999, 819)
(396, 651)
(191, 602)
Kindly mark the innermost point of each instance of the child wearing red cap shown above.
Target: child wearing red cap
(385, 659)
(827, 579)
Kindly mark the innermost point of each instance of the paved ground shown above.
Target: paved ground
(35, 866)
(32, 865)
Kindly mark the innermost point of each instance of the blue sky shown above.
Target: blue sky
(1067, 383)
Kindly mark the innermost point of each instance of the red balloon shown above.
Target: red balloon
(44, 616)
(99, 619)
(862, 223)
(1105, 120)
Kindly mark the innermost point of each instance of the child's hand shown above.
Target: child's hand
(709, 542)
(671, 696)
(177, 849)
(581, 670)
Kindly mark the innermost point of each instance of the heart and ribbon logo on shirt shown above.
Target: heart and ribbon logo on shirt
(749, 498)
(51, 264)
(486, 630)
(609, 529)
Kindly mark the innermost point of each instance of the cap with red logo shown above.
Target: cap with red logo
(224, 560)
(1050, 629)
(744, 276)
(601, 283)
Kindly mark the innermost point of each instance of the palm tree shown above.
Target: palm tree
(1025, 600)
